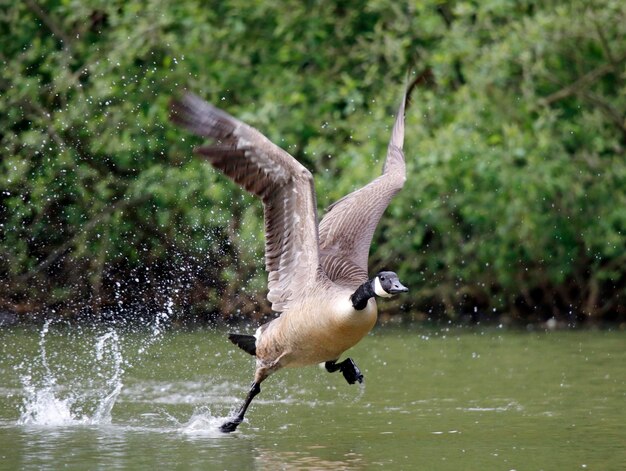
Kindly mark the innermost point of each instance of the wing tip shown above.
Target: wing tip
(185, 110)
(198, 116)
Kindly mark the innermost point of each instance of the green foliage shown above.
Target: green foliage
(515, 149)
(522, 168)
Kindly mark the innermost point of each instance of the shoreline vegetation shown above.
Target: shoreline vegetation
(387, 323)
(514, 211)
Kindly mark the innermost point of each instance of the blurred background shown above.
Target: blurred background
(514, 211)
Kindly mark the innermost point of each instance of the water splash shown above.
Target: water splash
(360, 392)
(46, 402)
(82, 389)
(108, 346)
(203, 423)
(158, 326)
(43, 407)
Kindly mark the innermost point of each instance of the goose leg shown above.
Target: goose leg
(232, 425)
(349, 369)
(260, 375)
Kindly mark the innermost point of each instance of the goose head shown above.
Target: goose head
(387, 284)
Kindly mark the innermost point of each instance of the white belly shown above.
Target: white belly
(323, 334)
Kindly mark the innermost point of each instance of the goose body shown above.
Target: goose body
(300, 340)
(318, 276)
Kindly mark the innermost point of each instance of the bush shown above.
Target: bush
(515, 150)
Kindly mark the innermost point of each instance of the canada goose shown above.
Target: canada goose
(318, 279)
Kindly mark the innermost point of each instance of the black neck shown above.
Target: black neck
(362, 294)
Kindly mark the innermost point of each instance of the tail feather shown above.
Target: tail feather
(245, 342)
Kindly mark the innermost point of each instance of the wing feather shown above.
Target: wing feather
(283, 184)
(347, 229)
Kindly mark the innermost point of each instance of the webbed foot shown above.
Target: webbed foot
(230, 426)
(351, 372)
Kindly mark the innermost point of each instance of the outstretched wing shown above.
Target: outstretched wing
(347, 229)
(283, 184)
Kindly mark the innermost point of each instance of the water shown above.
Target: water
(104, 399)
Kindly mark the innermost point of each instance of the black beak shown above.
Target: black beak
(397, 288)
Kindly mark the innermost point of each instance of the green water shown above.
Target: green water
(432, 400)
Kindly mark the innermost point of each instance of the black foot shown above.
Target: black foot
(350, 371)
(230, 426)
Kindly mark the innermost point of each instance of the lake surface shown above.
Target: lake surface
(86, 398)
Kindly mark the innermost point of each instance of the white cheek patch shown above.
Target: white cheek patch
(379, 290)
